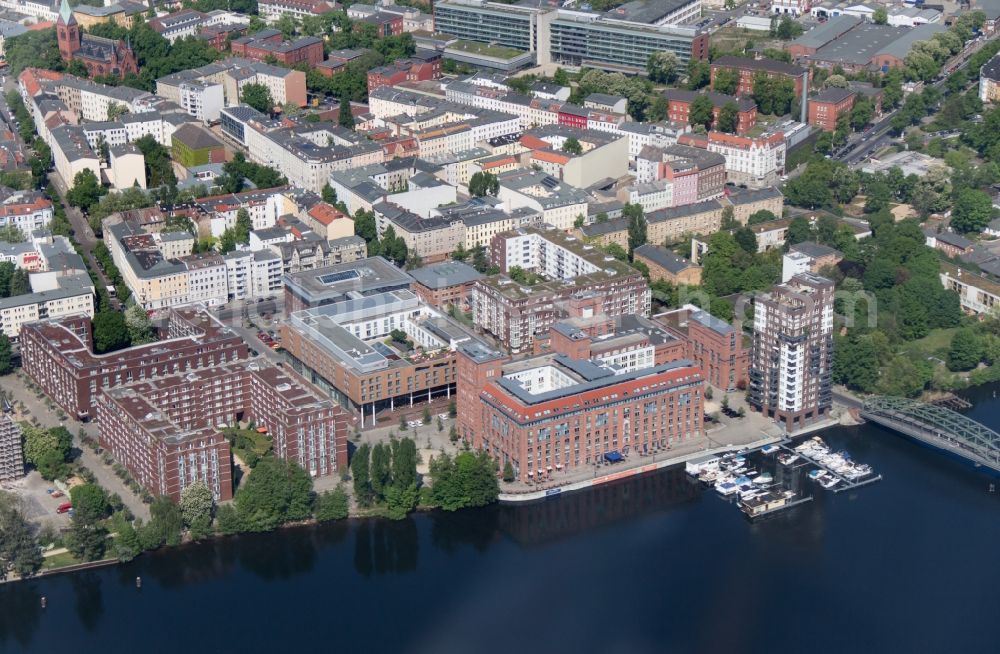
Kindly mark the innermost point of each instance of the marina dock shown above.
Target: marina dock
(845, 484)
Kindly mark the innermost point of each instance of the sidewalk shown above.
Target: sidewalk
(106, 477)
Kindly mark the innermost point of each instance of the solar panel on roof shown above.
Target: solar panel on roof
(333, 278)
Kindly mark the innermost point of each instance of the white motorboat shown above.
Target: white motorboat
(829, 482)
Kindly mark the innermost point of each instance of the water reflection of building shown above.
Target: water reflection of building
(600, 506)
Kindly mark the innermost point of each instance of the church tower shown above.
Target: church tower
(67, 32)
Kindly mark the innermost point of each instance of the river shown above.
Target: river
(647, 565)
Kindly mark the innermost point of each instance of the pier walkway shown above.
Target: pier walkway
(845, 483)
(938, 427)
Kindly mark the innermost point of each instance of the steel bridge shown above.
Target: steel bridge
(938, 427)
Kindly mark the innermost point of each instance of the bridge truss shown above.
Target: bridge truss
(935, 421)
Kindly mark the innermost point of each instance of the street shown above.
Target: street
(857, 151)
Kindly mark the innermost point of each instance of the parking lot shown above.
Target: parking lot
(39, 506)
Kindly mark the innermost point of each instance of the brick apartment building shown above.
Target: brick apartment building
(385, 24)
(665, 265)
(164, 430)
(580, 281)
(747, 68)
(714, 345)
(550, 413)
(445, 283)
(828, 105)
(336, 62)
(791, 357)
(270, 43)
(414, 69)
(58, 355)
(624, 342)
(747, 202)
(679, 107)
(219, 36)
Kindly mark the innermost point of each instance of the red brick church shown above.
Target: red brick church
(101, 56)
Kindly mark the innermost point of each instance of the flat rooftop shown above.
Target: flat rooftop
(445, 274)
(347, 280)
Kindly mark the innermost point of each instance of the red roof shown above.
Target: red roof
(32, 77)
(326, 213)
(551, 157)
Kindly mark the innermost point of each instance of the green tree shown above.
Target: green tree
(275, 492)
(344, 116)
(328, 194)
(761, 216)
(508, 472)
(973, 211)
(727, 80)
(45, 450)
(227, 520)
(6, 366)
(196, 508)
(746, 239)
(572, 146)
(257, 96)
(90, 502)
(637, 228)
(881, 16)
(699, 74)
(560, 77)
(787, 29)
(244, 225)
(332, 505)
(110, 331)
(966, 350)
(11, 233)
(19, 283)
(140, 327)
(126, 544)
(86, 190)
(7, 269)
(702, 112)
(159, 167)
(165, 524)
(855, 363)
(799, 231)
(393, 247)
(86, 540)
(18, 547)
(861, 114)
(481, 184)
(404, 462)
(380, 468)
(468, 480)
(360, 471)
(904, 376)
(662, 67)
(729, 117)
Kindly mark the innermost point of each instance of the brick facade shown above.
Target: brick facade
(58, 356)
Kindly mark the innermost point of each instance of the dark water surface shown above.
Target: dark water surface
(909, 564)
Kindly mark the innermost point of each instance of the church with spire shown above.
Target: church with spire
(101, 56)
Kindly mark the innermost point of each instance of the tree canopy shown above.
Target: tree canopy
(257, 96)
(276, 492)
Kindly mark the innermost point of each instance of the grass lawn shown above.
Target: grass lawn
(487, 50)
(59, 561)
(247, 444)
(731, 38)
(934, 344)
